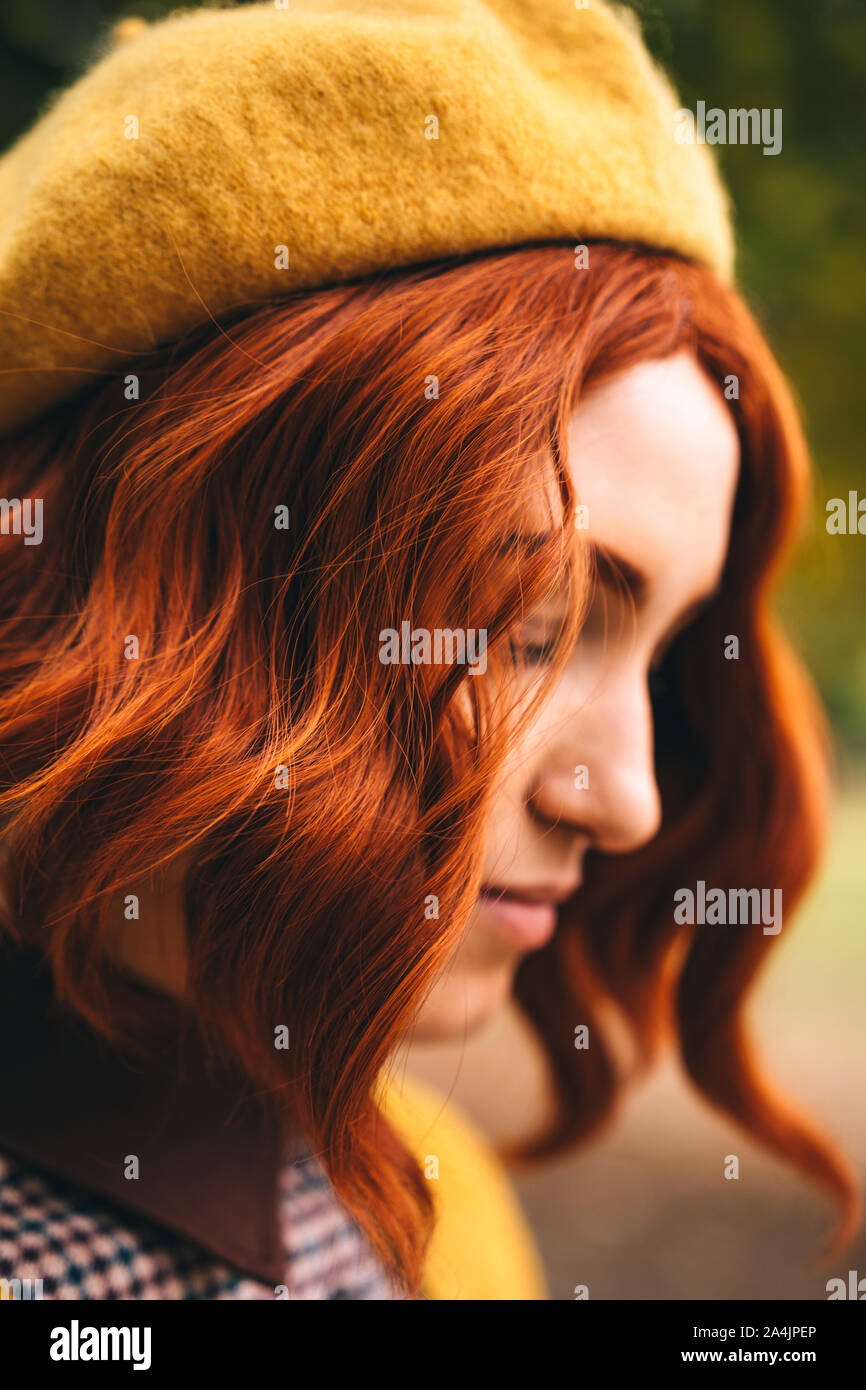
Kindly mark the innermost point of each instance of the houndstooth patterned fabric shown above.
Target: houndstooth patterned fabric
(83, 1247)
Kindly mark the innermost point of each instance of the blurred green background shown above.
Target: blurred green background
(800, 220)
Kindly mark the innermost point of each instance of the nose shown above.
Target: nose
(596, 773)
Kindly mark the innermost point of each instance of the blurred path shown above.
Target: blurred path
(645, 1212)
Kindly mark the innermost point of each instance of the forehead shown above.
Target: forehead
(654, 456)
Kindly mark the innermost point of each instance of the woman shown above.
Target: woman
(397, 639)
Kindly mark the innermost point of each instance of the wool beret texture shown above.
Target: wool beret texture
(225, 157)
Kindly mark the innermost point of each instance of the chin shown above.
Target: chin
(461, 1003)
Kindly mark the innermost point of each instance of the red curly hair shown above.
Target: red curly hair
(401, 420)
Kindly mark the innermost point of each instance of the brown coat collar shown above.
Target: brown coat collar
(209, 1162)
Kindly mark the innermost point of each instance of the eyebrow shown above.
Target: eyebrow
(615, 573)
(612, 570)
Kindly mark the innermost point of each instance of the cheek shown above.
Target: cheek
(506, 822)
(502, 830)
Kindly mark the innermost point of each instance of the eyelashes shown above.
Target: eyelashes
(536, 653)
(535, 643)
(540, 653)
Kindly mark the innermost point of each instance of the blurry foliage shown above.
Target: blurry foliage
(800, 219)
(800, 223)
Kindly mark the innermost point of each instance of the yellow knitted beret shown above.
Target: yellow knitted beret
(223, 157)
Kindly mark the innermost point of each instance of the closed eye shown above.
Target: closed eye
(535, 652)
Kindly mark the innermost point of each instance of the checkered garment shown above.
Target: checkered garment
(83, 1247)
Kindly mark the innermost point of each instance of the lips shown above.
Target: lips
(524, 917)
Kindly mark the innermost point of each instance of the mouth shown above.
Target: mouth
(523, 917)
